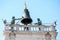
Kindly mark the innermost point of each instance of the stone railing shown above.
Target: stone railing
(17, 27)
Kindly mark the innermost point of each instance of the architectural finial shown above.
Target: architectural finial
(54, 23)
(25, 6)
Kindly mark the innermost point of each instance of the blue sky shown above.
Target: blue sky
(47, 10)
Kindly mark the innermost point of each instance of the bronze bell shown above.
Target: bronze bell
(26, 19)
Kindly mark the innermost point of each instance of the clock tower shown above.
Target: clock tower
(26, 30)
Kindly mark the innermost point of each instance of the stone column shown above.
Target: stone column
(17, 28)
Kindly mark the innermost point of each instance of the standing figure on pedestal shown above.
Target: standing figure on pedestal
(13, 20)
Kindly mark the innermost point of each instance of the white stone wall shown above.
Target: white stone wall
(29, 37)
